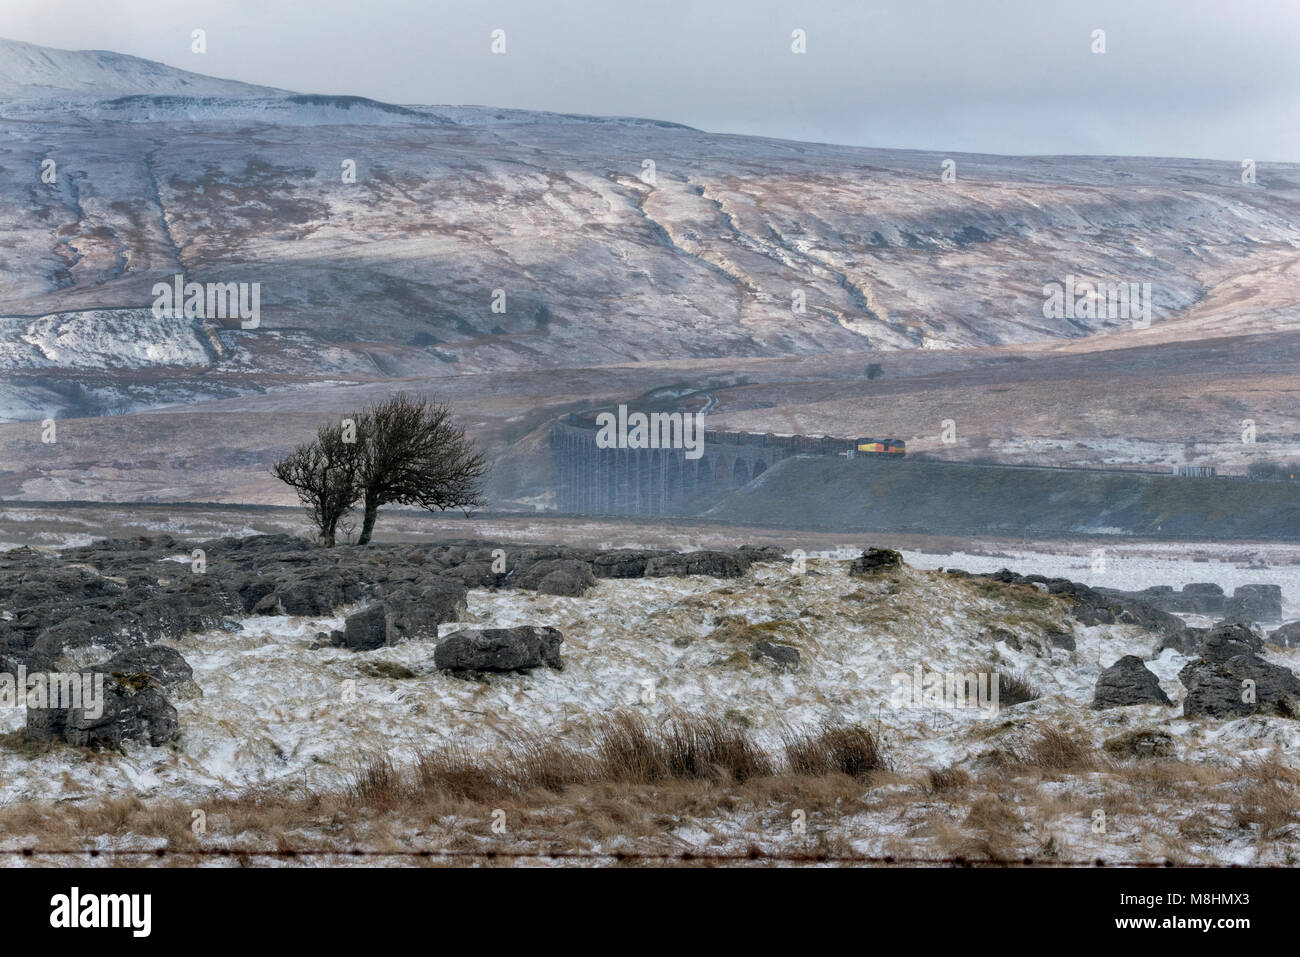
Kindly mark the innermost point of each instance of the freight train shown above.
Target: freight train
(881, 447)
(795, 444)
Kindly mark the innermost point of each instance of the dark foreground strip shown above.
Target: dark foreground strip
(361, 897)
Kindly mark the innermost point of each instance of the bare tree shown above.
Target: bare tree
(324, 474)
(405, 451)
(413, 453)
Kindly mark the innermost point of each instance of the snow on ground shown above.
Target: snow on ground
(266, 708)
(28, 70)
(196, 527)
(271, 709)
(99, 339)
(1127, 568)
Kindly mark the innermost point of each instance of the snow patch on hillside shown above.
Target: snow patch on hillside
(281, 111)
(99, 339)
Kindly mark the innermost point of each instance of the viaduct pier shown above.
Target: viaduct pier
(606, 481)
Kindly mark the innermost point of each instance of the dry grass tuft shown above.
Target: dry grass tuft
(377, 784)
(627, 749)
(1268, 805)
(1049, 749)
(457, 773)
(989, 813)
(834, 749)
(990, 831)
(636, 780)
(943, 780)
(1014, 688)
(630, 750)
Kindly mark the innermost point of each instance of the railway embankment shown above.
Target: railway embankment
(936, 497)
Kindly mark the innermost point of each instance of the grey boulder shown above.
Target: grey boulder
(410, 611)
(166, 666)
(706, 562)
(783, 657)
(132, 708)
(416, 610)
(368, 629)
(1230, 680)
(1128, 682)
(1254, 603)
(499, 649)
(1288, 636)
(873, 560)
(557, 576)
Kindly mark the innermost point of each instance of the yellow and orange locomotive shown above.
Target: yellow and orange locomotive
(881, 447)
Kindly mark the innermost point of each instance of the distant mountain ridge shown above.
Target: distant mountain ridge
(31, 71)
(393, 241)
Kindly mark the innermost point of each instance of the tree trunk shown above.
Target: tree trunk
(368, 524)
(327, 533)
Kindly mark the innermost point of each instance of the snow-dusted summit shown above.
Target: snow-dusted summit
(28, 71)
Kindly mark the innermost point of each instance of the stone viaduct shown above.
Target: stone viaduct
(595, 481)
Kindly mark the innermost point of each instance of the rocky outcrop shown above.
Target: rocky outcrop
(1061, 639)
(499, 649)
(623, 563)
(557, 576)
(166, 666)
(1252, 603)
(410, 611)
(315, 591)
(873, 560)
(131, 712)
(1288, 636)
(713, 563)
(1248, 603)
(1227, 641)
(124, 595)
(761, 553)
(1230, 680)
(1128, 682)
(1093, 606)
(417, 609)
(782, 657)
(1144, 743)
(128, 593)
(123, 699)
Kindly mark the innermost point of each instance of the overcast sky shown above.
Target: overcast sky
(1206, 78)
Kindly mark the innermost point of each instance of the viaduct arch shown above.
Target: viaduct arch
(595, 481)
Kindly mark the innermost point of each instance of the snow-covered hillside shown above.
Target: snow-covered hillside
(291, 110)
(612, 239)
(443, 244)
(28, 71)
